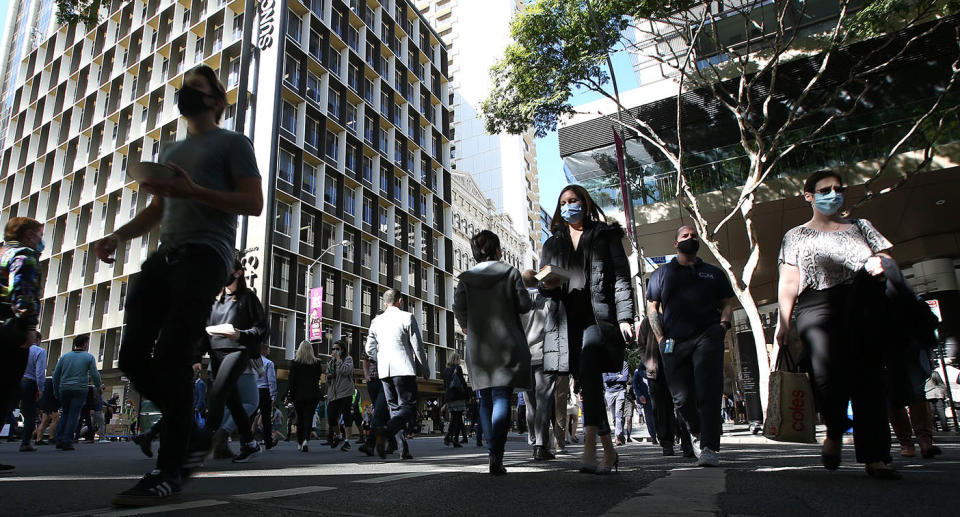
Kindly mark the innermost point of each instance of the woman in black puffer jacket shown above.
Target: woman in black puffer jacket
(587, 330)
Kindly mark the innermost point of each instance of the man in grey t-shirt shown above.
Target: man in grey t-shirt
(169, 299)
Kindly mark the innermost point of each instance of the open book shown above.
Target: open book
(224, 329)
(554, 273)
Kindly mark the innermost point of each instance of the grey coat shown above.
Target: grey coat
(534, 326)
(488, 303)
(611, 294)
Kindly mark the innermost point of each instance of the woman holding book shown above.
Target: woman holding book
(586, 271)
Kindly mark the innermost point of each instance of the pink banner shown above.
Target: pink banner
(316, 313)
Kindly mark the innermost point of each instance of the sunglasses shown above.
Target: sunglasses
(839, 189)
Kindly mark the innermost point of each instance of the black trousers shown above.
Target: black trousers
(456, 426)
(335, 410)
(401, 396)
(694, 372)
(13, 362)
(586, 341)
(305, 410)
(227, 369)
(847, 363)
(266, 414)
(668, 426)
(167, 306)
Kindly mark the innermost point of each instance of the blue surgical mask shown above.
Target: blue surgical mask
(829, 203)
(41, 246)
(571, 212)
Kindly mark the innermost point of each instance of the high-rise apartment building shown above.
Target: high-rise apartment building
(350, 119)
(504, 166)
(27, 22)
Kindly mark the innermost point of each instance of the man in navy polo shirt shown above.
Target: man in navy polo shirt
(690, 307)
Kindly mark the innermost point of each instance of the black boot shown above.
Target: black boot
(496, 464)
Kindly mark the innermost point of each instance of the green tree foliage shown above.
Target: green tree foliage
(86, 12)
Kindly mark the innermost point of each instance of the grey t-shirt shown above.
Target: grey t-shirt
(215, 160)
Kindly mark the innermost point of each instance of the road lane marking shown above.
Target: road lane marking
(394, 477)
(256, 496)
(79, 477)
(698, 489)
(189, 505)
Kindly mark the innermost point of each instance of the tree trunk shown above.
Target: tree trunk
(760, 345)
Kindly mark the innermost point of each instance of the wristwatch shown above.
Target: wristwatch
(726, 324)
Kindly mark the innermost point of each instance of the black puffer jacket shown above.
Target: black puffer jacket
(611, 294)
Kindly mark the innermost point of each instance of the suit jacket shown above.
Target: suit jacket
(394, 340)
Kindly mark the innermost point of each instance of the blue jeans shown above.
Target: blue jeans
(72, 402)
(495, 416)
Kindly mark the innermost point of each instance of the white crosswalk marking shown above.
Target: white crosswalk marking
(190, 505)
(394, 477)
(256, 496)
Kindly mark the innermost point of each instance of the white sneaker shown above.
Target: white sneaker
(708, 458)
(695, 445)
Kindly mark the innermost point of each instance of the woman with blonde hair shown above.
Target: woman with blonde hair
(304, 390)
(455, 393)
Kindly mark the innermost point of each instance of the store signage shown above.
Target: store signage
(266, 11)
(314, 332)
(935, 308)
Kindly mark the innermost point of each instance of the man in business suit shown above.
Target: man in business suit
(394, 340)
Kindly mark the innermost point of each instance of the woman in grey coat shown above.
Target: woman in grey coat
(488, 303)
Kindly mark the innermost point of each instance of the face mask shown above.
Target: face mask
(533, 291)
(571, 212)
(190, 101)
(689, 246)
(828, 204)
(41, 246)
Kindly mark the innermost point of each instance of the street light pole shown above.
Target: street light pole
(309, 277)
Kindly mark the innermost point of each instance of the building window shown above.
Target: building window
(369, 130)
(333, 104)
(367, 211)
(313, 88)
(330, 190)
(349, 201)
(333, 145)
(368, 169)
(284, 218)
(311, 135)
(351, 159)
(383, 220)
(366, 254)
(281, 279)
(366, 303)
(384, 141)
(307, 234)
(285, 170)
(310, 179)
(353, 77)
(384, 181)
(316, 46)
(383, 262)
(348, 295)
(352, 118)
(288, 119)
(329, 289)
(291, 71)
(294, 26)
(397, 189)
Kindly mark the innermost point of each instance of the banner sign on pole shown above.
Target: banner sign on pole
(935, 308)
(316, 314)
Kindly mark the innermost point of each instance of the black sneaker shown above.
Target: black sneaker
(155, 488)
(4, 467)
(145, 443)
(246, 452)
(346, 446)
(334, 443)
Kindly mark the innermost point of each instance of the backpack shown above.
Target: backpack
(457, 387)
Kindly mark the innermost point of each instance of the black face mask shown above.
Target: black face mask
(190, 101)
(689, 246)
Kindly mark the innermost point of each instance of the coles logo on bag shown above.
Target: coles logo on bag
(797, 410)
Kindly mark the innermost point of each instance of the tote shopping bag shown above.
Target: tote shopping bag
(790, 409)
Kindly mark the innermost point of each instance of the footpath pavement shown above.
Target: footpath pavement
(757, 478)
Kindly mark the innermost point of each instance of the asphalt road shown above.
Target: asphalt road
(757, 478)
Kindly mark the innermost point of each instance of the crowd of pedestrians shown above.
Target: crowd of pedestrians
(554, 339)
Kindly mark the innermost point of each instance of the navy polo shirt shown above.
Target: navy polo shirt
(689, 297)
